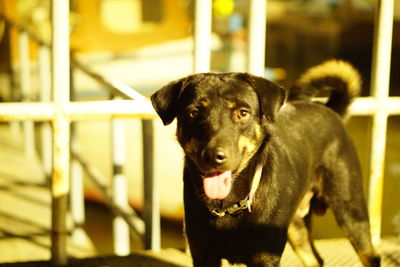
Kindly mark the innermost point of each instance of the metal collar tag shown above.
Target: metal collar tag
(244, 204)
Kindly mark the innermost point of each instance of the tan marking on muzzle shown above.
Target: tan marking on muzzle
(249, 146)
(246, 144)
(258, 132)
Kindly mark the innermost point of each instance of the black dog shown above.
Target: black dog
(256, 167)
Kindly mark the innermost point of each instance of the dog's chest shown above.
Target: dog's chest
(233, 227)
(227, 223)
(236, 237)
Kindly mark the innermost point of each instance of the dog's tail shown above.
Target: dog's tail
(340, 79)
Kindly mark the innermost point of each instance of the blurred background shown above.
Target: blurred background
(147, 43)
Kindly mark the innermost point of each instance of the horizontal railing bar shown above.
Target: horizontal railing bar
(89, 110)
(76, 111)
(36, 111)
(369, 106)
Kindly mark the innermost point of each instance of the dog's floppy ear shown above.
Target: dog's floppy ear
(166, 100)
(270, 95)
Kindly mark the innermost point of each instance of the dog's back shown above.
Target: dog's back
(310, 129)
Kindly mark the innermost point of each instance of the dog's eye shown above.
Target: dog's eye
(193, 113)
(243, 113)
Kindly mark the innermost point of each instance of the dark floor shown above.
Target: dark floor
(335, 252)
(134, 260)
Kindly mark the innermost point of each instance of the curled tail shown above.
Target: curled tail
(340, 79)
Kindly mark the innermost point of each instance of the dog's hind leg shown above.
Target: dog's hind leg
(354, 221)
(356, 227)
(300, 239)
(343, 187)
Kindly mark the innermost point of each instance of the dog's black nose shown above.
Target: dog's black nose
(215, 156)
(220, 156)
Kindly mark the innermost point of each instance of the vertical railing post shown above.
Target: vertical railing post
(15, 126)
(257, 34)
(61, 130)
(202, 36)
(45, 96)
(119, 188)
(380, 82)
(26, 90)
(152, 237)
(77, 192)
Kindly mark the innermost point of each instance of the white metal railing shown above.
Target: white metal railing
(380, 89)
(257, 32)
(62, 111)
(60, 184)
(202, 36)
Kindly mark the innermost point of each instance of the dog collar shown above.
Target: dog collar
(244, 204)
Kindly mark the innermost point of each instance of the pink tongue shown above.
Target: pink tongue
(218, 186)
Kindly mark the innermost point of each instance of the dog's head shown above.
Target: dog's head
(221, 121)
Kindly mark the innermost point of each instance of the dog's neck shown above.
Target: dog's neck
(238, 204)
(244, 204)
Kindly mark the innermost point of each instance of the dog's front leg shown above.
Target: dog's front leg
(201, 247)
(206, 261)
